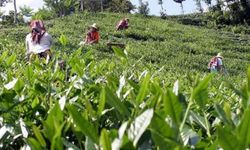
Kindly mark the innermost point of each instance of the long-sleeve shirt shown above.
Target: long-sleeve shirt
(45, 44)
(123, 24)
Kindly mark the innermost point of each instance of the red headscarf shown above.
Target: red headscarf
(37, 30)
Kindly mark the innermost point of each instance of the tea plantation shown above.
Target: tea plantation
(156, 93)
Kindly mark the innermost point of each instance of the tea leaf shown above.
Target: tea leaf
(86, 127)
(139, 125)
(105, 141)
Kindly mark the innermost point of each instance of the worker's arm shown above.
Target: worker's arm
(27, 45)
(86, 39)
(28, 53)
(119, 25)
(94, 41)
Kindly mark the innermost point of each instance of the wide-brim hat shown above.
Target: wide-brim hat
(219, 55)
(94, 26)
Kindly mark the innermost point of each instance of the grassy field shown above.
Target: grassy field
(156, 93)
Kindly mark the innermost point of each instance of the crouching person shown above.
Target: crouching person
(92, 36)
(215, 65)
(38, 41)
(123, 24)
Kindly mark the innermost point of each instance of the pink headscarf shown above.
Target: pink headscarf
(37, 30)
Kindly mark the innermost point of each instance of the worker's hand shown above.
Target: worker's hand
(82, 43)
(94, 41)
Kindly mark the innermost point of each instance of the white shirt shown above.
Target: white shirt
(219, 61)
(45, 44)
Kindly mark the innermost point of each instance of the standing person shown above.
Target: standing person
(93, 35)
(123, 24)
(38, 42)
(215, 64)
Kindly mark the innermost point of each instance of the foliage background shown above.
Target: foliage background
(128, 99)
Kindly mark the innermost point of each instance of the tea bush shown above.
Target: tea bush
(154, 94)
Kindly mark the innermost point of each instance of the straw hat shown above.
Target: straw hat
(94, 26)
(219, 55)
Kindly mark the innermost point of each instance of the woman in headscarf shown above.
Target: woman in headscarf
(123, 24)
(215, 64)
(38, 42)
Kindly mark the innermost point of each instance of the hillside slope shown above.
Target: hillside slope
(158, 42)
(157, 96)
